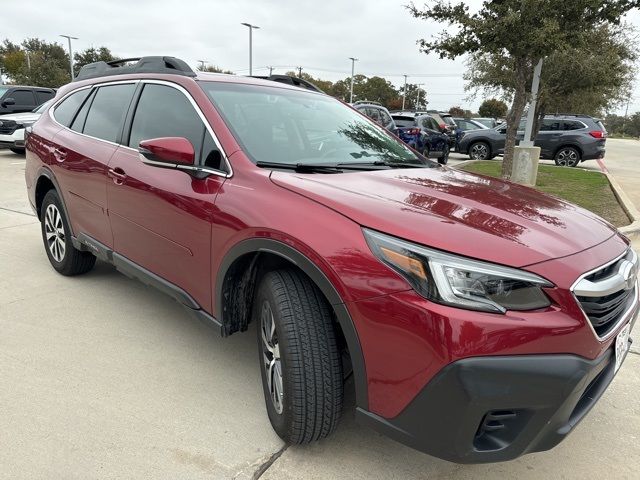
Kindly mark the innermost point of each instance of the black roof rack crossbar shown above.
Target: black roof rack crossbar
(289, 80)
(166, 65)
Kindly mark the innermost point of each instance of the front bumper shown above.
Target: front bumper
(493, 409)
(15, 140)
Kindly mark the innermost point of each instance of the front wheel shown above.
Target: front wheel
(567, 157)
(300, 361)
(479, 151)
(56, 235)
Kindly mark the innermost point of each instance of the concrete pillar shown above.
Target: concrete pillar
(525, 165)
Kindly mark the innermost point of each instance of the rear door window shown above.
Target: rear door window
(67, 109)
(44, 95)
(107, 112)
(164, 111)
(551, 125)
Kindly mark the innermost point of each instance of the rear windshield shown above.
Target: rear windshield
(404, 121)
(449, 121)
(284, 125)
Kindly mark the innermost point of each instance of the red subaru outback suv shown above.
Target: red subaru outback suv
(480, 320)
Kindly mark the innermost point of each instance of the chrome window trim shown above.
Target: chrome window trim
(626, 316)
(212, 171)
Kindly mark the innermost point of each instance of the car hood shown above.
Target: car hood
(455, 211)
(21, 117)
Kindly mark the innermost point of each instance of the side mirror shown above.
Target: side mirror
(170, 152)
(8, 101)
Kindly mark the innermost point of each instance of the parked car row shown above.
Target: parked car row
(567, 139)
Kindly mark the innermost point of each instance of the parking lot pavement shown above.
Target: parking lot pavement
(102, 377)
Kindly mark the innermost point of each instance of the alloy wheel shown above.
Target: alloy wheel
(567, 157)
(271, 357)
(54, 231)
(479, 151)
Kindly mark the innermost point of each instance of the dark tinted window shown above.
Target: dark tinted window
(65, 111)
(44, 95)
(572, 125)
(23, 97)
(551, 125)
(210, 153)
(108, 110)
(81, 117)
(165, 112)
(404, 121)
(386, 119)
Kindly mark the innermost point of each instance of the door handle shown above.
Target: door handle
(60, 154)
(118, 175)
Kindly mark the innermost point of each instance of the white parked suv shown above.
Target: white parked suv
(13, 125)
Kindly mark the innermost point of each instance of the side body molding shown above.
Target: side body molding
(265, 245)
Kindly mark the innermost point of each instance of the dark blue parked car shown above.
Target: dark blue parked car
(422, 133)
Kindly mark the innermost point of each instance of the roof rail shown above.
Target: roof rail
(167, 65)
(577, 115)
(289, 80)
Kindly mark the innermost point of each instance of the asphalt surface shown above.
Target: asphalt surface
(102, 377)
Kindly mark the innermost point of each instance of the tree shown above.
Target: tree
(493, 108)
(91, 55)
(457, 111)
(415, 93)
(35, 62)
(376, 89)
(214, 69)
(586, 79)
(520, 33)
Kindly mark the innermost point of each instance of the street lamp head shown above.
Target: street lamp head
(249, 25)
(353, 59)
(69, 37)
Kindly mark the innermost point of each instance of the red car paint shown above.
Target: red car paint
(181, 228)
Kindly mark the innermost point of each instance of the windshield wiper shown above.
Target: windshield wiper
(384, 163)
(302, 167)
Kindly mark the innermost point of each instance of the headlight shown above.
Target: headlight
(459, 281)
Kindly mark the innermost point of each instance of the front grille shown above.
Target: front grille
(608, 293)
(8, 127)
(603, 312)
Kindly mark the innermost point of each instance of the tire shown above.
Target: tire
(444, 159)
(567, 157)
(17, 151)
(480, 151)
(64, 257)
(300, 361)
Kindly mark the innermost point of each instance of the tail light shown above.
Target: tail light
(413, 131)
(598, 134)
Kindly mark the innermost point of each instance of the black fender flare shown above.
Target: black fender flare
(45, 172)
(266, 245)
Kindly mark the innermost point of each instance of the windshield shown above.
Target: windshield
(3, 90)
(289, 126)
(42, 107)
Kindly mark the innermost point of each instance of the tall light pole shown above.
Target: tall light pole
(418, 99)
(202, 64)
(69, 38)
(404, 91)
(353, 66)
(251, 29)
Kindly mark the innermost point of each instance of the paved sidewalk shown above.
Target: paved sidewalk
(102, 377)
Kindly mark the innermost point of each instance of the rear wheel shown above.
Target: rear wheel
(64, 257)
(300, 361)
(479, 151)
(567, 157)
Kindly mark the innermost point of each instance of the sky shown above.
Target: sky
(320, 36)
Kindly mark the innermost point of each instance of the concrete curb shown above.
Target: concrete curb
(633, 230)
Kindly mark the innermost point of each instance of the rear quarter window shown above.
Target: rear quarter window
(66, 110)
